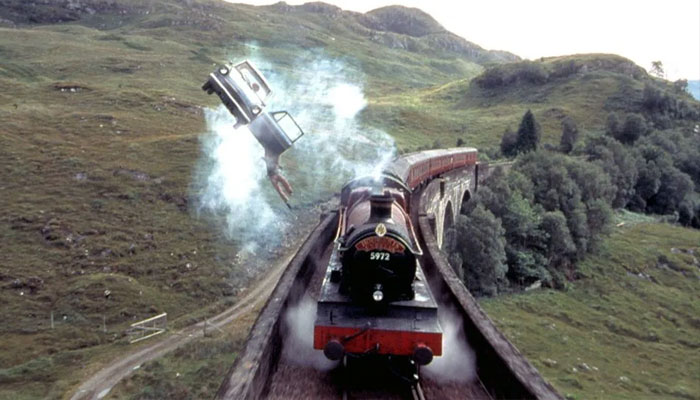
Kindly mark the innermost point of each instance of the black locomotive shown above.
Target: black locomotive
(374, 298)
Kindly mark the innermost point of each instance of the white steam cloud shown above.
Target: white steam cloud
(347, 100)
(298, 345)
(457, 363)
(236, 171)
(325, 97)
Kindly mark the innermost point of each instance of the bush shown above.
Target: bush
(632, 129)
(569, 135)
(619, 163)
(508, 143)
(480, 246)
(526, 72)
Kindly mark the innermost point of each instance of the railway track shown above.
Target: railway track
(273, 366)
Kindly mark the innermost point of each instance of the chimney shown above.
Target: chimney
(380, 206)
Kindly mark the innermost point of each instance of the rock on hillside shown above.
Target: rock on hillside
(411, 29)
(56, 11)
(403, 20)
(319, 8)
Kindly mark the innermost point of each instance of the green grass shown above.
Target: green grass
(628, 330)
(101, 121)
(193, 371)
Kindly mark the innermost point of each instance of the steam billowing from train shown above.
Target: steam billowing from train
(458, 362)
(235, 174)
(325, 97)
(298, 336)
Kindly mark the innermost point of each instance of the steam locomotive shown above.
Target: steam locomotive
(374, 298)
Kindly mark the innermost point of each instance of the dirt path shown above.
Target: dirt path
(99, 384)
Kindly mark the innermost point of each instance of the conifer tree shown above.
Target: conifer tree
(528, 134)
(569, 135)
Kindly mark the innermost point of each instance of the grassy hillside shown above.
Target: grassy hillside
(628, 329)
(101, 114)
(584, 87)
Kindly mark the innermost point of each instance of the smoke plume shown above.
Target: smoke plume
(235, 174)
(325, 97)
(457, 363)
(298, 347)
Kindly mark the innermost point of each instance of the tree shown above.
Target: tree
(450, 245)
(577, 188)
(481, 247)
(560, 250)
(592, 181)
(676, 187)
(612, 125)
(632, 129)
(657, 69)
(681, 85)
(569, 135)
(528, 137)
(508, 143)
(599, 215)
(617, 161)
(652, 163)
(560, 245)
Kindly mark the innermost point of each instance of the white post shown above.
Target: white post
(51, 319)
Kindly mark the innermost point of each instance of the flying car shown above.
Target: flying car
(244, 91)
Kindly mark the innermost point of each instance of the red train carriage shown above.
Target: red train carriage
(416, 168)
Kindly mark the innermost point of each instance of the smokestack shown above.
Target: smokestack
(380, 206)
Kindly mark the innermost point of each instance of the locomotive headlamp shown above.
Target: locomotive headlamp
(378, 295)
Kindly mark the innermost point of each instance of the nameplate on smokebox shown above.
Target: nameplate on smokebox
(380, 243)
